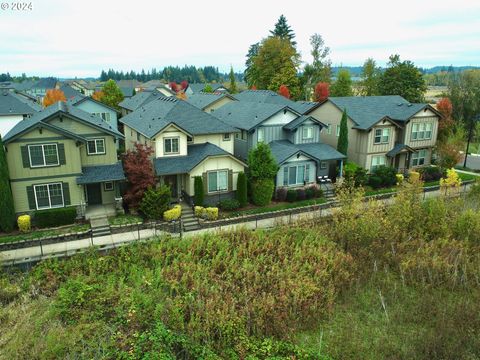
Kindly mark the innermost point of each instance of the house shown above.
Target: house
(13, 109)
(199, 87)
(69, 91)
(63, 156)
(159, 86)
(142, 98)
(382, 130)
(208, 102)
(82, 86)
(39, 88)
(187, 142)
(293, 138)
(92, 106)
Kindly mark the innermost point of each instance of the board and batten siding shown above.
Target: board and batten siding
(382, 147)
(294, 161)
(422, 143)
(298, 134)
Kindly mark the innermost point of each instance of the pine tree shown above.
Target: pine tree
(242, 189)
(283, 30)
(343, 85)
(342, 145)
(7, 212)
(233, 84)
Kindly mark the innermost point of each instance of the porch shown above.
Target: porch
(100, 211)
(399, 158)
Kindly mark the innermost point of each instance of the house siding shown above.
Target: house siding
(218, 104)
(295, 162)
(92, 107)
(216, 139)
(298, 134)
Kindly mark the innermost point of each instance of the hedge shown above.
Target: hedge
(55, 217)
(262, 191)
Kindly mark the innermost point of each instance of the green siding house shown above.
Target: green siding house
(63, 156)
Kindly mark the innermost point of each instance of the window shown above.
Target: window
(104, 116)
(323, 165)
(48, 195)
(244, 135)
(338, 130)
(307, 132)
(296, 175)
(260, 134)
(43, 155)
(171, 145)
(382, 136)
(217, 181)
(428, 130)
(96, 146)
(418, 158)
(138, 137)
(108, 186)
(377, 161)
(226, 137)
(422, 131)
(329, 129)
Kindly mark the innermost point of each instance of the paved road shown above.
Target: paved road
(473, 162)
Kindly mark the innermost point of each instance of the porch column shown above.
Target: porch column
(341, 169)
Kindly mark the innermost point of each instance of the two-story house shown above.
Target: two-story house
(293, 138)
(94, 107)
(13, 109)
(187, 142)
(39, 89)
(63, 156)
(382, 130)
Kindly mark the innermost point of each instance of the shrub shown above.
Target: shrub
(291, 195)
(229, 204)
(317, 190)
(281, 194)
(400, 179)
(198, 196)
(199, 211)
(24, 223)
(431, 173)
(413, 176)
(55, 217)
(387, 175)
(173, 214)
(375, 182)
(262, 191)
(242, 189)
(355, 175)
(155, 202)
(211, 213)
(301, 194)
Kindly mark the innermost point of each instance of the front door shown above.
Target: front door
(94, 194)
(171, 180)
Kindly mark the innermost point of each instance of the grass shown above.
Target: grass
(124, 219)
(36, 234)
(274, 207)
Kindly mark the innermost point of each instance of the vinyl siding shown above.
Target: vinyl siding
(92, 107)
(295, 162)
(170, 132)
(216, 139)
(217, 104)
(110, 156)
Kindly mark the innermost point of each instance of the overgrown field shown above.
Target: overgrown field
(371, 282)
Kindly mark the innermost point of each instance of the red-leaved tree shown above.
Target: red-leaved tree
(321, 92)
(253, 87)
(184, 84)
(139, 171)
(445, 125)
(283, 90)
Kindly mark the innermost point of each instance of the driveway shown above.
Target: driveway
(473, 162)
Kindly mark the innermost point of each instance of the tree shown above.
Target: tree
(155, 202)
(322, 91)
(343, 85)
(7, 211)
(283, 30)
(262, 169)
(464, 93)
(52, 96)
(446, 123)
(198, 189)
(320, 70)
(448, 154)
(233, 84)
(404, 79)
(242, 189)
(283, 90)
(139, 172)
(250, 70)
(207, 89)
(370, 78)
(342, 145)
(97, 95)
(112, 95)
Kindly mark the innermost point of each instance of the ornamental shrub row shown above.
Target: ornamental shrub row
(55, 217)
(173, 214)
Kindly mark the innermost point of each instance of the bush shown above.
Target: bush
(431, 173)
(198, 196)
(400, 179)
(211, 213)
(173, 214)
(281, 194)
(387, 174)
(24, 223)
(355, 174)
(155, 202)
(199, 211)
(309, 193)
(262, 191)
(229, 204)
(301, 194)
(242, 189)
(291, 195)
(375, 182)
(55, 217)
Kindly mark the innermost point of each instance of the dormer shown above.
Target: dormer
(304, 129)
(172, 141)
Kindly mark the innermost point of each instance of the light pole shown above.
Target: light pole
(470, 133)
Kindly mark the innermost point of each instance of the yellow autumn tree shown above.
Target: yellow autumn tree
(451, 184)
(52, 96)
(97, 95)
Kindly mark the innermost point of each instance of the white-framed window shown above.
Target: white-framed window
(43, 155)
(323, 164)
(329, 129)
(382, 136)
(338, 130)
(226, 137)
(217, 181)
(418, 157)
(307, 132)
(296, 174)
(260, 134)
(96, 146)
(104, 115)
(378, 161)
(422, 131)
(108, 186)
(48, 196)
(170, 145)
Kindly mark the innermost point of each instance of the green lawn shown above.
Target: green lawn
(124, 219)
(274, 207)
(35, 234)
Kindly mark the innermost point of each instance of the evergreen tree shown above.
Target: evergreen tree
(283, 30)
(262, 168)
(250, 70)
(233, 84)
(242, 189)
(7, 212)
(320, 70)
(370, 78)
(342, 145)
(343, 85)
(198, 195)
(112, 95)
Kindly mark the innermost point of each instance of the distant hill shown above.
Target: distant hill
(356, 71)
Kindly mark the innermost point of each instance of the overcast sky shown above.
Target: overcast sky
(80, 38)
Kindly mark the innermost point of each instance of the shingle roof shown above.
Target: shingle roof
(45, 83)
(198, 87)
(202, 100)
(271, 97)
(77, 100)
(14, 104)
(61, 108)
(282, 150)
(140, 99)
(157, 114)
(398, 148)
(366, 111)
(101, 173)
(184, 164)
(292, 125)
(69, 91)
(127, 91)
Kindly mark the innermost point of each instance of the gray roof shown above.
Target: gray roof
(127, 91)
(282, 150)
(202, 100)
(156, 115)
(246, 115)
(292, 125)
(366, 111)
(184, 164)
(14, 104)
(77, 100)
(397, 149)
(271, 97)
(69, 91)
(45, 83)
(101, 173)
(198, 87)
(129, 83)
(140, 99)
(61, 108)
(24, 85)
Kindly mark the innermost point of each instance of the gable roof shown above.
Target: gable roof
(101, 173)
(69, 91)
(127, 91)
(157, 114)
(366, 111)
(140, 99)
(77, 100)
(202, 100)
(283, 150)
(292, 125)
(198, 87)
(45, 83)
(14, 104)
(60, 108)
(271, 97)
